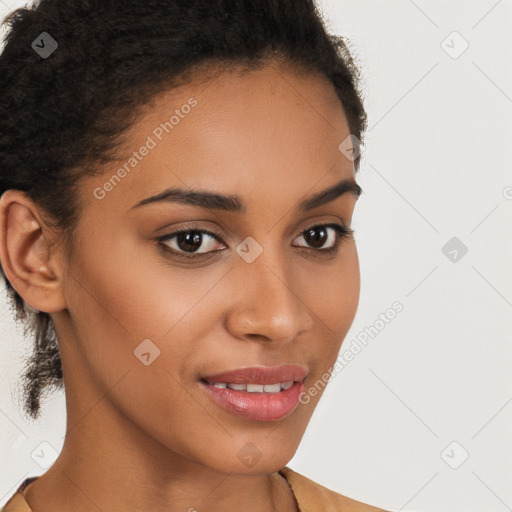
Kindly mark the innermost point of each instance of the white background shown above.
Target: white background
(437, 165)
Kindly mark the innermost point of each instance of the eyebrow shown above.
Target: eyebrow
(234, 203)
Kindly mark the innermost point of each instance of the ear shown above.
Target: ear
(25, 256)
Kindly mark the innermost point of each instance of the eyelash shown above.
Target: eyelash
(343, 232)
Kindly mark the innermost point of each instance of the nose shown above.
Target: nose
(267, 303)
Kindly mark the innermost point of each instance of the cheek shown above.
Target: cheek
(331, 293)
(121, 300)
(123, 295)
(134, 302)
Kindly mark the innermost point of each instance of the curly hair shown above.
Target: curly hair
(63, 114)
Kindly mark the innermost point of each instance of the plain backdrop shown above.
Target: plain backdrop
(421, 418)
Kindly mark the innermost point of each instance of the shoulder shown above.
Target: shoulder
(313, 497)
(310, 496)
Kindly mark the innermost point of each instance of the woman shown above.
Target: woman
(178, 184)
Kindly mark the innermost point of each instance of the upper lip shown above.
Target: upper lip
(260, 375)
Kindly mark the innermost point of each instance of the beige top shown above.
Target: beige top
(310, 496)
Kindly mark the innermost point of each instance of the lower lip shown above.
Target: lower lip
(256, 406)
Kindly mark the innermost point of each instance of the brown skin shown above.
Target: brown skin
(147, 437)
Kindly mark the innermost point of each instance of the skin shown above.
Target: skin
(272, 138)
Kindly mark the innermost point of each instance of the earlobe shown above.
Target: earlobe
(25, 255)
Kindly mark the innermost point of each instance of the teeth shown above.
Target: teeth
(237, 387)
(271, 388)
(256, 388)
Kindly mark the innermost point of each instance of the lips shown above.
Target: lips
(259, 375)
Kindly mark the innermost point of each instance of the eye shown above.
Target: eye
(186, 241)
(318, 235)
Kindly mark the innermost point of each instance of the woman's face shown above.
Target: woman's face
(144, 325)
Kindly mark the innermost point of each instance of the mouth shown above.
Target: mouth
(259, 375)
(258, 393)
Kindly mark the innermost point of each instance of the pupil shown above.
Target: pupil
(193, 238)
(319, 240)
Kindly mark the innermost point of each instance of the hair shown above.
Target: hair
(62, 116)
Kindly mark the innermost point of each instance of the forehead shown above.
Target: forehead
(267, 131)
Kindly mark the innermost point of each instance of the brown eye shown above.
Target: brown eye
(190, 241)
(326, 234)
(317, 237)
(185, 242)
